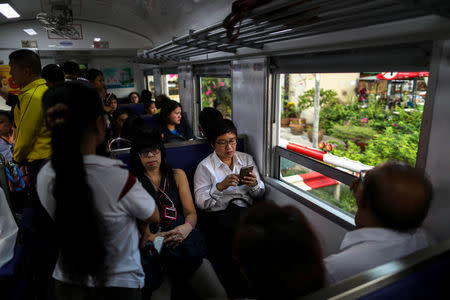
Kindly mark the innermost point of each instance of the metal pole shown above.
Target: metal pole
(316, 112)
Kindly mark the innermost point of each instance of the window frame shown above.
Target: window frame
(199, 90)
(322, 207)
(320, 63)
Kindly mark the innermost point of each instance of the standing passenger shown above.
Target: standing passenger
(94, 202)
(32, 136)
(96, 78)
(53, 75)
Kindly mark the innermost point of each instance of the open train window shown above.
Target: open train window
(216, 92)
(351, 120)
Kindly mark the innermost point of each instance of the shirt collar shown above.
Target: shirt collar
(374, 235)
(217, 162)
(32, 85)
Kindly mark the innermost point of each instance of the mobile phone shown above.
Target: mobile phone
(158, 243)
(245, 171)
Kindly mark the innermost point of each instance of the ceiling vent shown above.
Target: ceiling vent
(59, 22)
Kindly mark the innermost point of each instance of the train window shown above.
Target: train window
(216, 92)
(150, 84)
(325, 188)
(170, 85)
(357, 119)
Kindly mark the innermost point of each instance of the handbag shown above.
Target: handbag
(153, 268)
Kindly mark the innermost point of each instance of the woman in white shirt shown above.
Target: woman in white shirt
(217, 184)
(94, 202)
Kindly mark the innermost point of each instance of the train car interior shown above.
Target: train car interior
(320, 91)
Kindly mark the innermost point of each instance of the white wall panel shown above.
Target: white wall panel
(249, 93)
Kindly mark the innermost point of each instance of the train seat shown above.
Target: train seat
(137, 108)
(123, 100)
(421, 275)
(186, 155)
(151, 121)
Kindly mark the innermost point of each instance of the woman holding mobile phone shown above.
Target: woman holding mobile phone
(225, 183)
(184, 246)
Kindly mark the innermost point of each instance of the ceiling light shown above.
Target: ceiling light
(30, 31)
(8, 11)
(97, 39)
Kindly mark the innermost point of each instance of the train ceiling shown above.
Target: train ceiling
(282, 20)
(156, 20)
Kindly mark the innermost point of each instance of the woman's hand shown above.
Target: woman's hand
(250, 180)
(176, 236)
(230, 180)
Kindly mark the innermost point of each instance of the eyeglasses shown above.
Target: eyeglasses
(224, 143)
(145, 153)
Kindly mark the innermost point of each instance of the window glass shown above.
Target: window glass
(366, 117)
(171, 85)
(151, 84)
(216, 93)
(321, 186)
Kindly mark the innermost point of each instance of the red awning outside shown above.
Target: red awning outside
(401, 75)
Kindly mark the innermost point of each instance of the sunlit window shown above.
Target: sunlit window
(216, 93)
(368, 118)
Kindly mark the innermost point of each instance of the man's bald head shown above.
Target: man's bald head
(398, 195)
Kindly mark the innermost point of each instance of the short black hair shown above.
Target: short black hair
(6, 114)
(208, 116)
(52, 73)
(398, 195)
(161, 100)
(91, 74)
(146, 95)
(27, 59)
(71, 68)
(220, 127)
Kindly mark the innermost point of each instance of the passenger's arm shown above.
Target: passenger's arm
(175, 236)
(205, 190)
(31, 122)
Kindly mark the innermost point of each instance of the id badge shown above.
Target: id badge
(170, 213)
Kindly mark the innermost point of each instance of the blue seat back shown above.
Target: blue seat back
(185, 157)
(151, 121)
(137, 108)
(430, 282)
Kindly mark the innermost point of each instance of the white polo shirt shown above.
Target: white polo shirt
(212, 170)
(366, 248)
(107, 180)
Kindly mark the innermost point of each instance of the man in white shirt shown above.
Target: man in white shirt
(393, 200)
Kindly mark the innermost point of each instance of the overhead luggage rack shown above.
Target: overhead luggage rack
(285, 20)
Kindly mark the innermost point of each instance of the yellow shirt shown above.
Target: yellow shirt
(33, 139)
